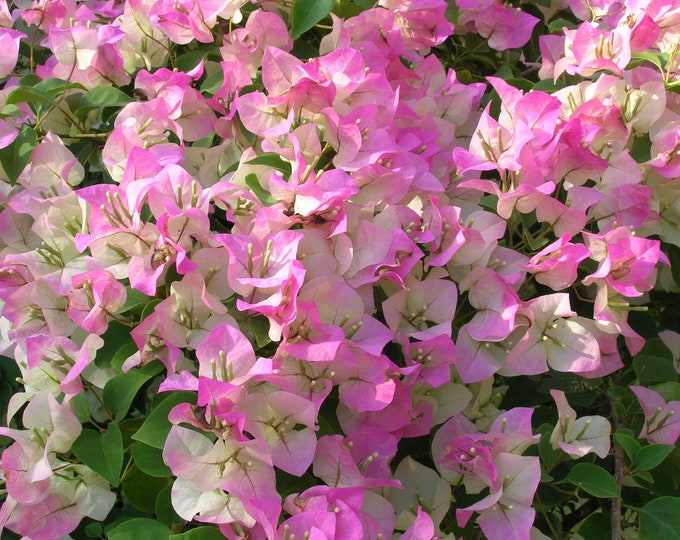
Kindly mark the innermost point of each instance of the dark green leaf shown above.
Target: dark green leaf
(101, 452)
(122, 389)
(653, 369)
(190, 60)
(346, 9)
(156, 427)
(593, 479)
(306, 13)
(670, 391)
(139, 529)
(596, 527)
(546, 451)
(17, 155)
(149, 308)
(94, 529)
(11, 110)
(366, 4)
(142, 490)
(557, 25)
(274, 161)
(260, 326)
(660, 519)
(149, 460)
(649, 57)
(165, 512)
(673, 253)
(128, 428)
(213, 83)
(134, 298)
(652, 455)
(114, 338)
(199, 533)
(104, 96)
(264, 196)
(122, 354)
(629, 444)
(30, 95)
(55, 87)
(82, 407)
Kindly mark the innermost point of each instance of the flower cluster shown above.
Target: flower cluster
(260, 271)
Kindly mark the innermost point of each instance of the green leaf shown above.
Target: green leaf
(660, 519)
(81, 407)
(653, 369)
(190, 60)
(593, 479)
(649, 57)
(557, 25)
(673, 253)
(142, 490)
(94, 529)
(122, 389)
(264, 196)
(164, 510)
(366, 4)
(102, 96)
(546, 451)
(156, 427)
(134, 299)
(652, 455)
(346, 9)
(670, 391)
(306, 13)
(274, 161)
(654, 363)
(101, 452)
(199, 533)
(149, 308)
(596, 526)
(115, 337)
(629, 444)
(260, 327)
(213, 83)
(30, 95)
(139, 529)
(55, 87)
(17, 155)
(149, 460)
(122, 354)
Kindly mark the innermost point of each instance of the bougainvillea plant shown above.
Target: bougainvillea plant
(316, 269)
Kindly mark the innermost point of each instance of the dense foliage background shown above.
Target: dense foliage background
(340, 269)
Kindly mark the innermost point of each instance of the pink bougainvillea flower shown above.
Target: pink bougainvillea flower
(9, 42)
(662, 419)
(505, 27)
(422, 527)
(556, 265)
(495, 301)
(424, 309)
(578, 437)
(423, 24)
(555, 337)
(507, 512)
(335, 465)
(468, 456)
(225, 354)
(432, 359)
(420, 485)
(286, 422)
(627, 263)
(96, 295)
